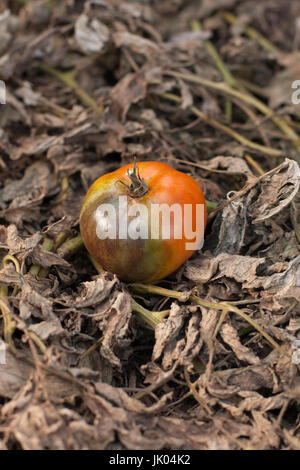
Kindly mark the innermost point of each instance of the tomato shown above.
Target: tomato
(142, 221)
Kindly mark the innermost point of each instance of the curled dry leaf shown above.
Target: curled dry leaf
(110, 309)
(115, 330)
(9, 276)
(155, 376)
(10, 240)
(94, 292)
(276, 191)
(233, 227)
(46, 258)
(45, 329)
(40, 144)
(279, 89)
(255, 402)
(230, 336)
(240, 268)
(91, 34)
(245, 271)
(37, 176)
(254, 204)
(227, 383)
(131, 89)
(137, 44)
(24, 208)
(228, 165)
(16, 372)
(178, 339)
(166, 333)
(283, 285)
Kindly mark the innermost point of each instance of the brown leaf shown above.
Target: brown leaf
(91, 36)
(240, 268)
(115, 330)
(136, 43)
(16, 244)
(276, 191)
(40, 306)
(46, 329)
(131, 89)
(15, 372)
(38, 176)
(228, 165)
(227, 383)
(282, 285)
(279, 89)
(254, 204)
(24, 208)
(40, 144)
(230, 336)
(46, 258)
(94, 292)
(13, 375)
(186, 95)
(167, 332)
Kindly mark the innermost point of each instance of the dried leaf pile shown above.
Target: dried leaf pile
(204, 86)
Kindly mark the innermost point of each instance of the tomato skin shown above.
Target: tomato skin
(141, 260)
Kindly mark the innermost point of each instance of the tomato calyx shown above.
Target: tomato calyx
(137, 186)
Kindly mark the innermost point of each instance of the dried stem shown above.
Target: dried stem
(228, 77)
(223, 306)
(248, 143)
(69, 79)
(253, 34)
(196, 26)
(247, 98)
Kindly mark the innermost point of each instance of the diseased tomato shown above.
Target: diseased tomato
(142, 221)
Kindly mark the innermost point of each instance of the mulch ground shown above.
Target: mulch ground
(209, 88)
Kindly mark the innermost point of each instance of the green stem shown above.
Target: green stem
(228, 77)
(151, 318)
(211, 206)
(70, 247)
(47, 245)
(253, 34)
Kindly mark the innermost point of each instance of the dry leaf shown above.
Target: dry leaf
(230, 336)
